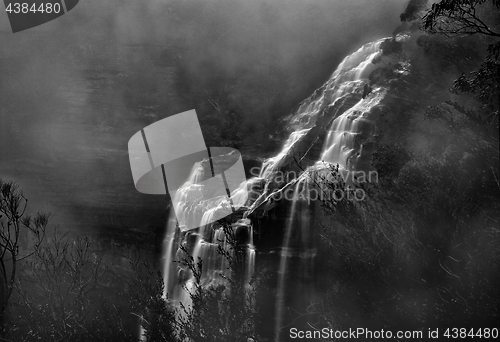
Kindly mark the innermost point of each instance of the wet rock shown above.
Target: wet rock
(242, 234)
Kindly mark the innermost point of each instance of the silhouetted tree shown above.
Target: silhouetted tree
(472, 17)
(157, 316)
(459, 17)
(16, 225)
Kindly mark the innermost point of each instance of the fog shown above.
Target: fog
(74, 90)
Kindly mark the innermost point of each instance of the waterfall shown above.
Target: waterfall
(285, 250)
(344, 144)
(201, 242)
(169, 269)
(272, 164)
(349, 140)
(349, 78)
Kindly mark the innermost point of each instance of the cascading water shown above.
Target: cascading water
(299, 207)
(348, 143)
(348, 76)
(272, 164)
(343, 145)
(195, 209)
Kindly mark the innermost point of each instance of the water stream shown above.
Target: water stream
(348, 143)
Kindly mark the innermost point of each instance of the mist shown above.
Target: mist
(74, 90)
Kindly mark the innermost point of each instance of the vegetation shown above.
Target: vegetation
(16, 224)
(223, 312)
(59, 294)
(460, 17)
(422, 250)
(157, 316)
(480, 17)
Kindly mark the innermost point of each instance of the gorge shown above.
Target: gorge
(368, 195)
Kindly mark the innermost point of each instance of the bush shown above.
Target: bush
(58, 297)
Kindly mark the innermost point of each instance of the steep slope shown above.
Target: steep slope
(386, 111)
(336, 125)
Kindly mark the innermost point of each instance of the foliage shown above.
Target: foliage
(365, 228)
(157, 316)
(451, 54)
(16, 227)
(464, 17)
(388, 160)
(59, 293)
(484, 84)
(460, 17)
(58, 296)
(367, 241)
(223, 312)
(425, 242)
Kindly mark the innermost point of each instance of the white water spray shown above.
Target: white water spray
(348, 144)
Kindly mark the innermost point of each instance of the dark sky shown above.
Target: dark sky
(73, 91)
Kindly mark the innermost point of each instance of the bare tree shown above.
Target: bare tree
(64, 274)
(15, 226)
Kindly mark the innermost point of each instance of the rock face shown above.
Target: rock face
(337, 125)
